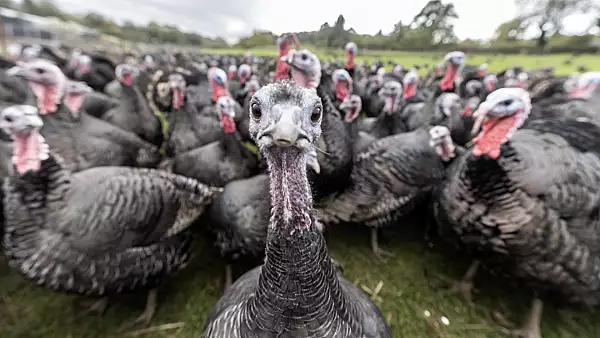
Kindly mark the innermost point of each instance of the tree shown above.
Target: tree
(29, 6)
(433, 24)
(548, 15)
(340, 22)
(7, 4)
(511, 30)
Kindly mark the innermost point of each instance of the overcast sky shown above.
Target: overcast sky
(232, 19)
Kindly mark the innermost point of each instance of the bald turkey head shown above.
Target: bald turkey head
(244, 72)
(75, 92)
(29, 147)
(343, 84)
(46, 81)
(218, 83)
(410, 81)
(225, 107)
(177, 84)
(391, 93)
(305, 67)
(499, 116)
(585, 85)
(490, 82)
(125, 74)
(441, 141)
(455, 61)
(232, 72)
(351, 49)
(352, 105)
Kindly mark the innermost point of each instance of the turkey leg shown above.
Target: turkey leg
(465, 285)
(98, 307)
(147, 315)
(531, 329)
(379, 253)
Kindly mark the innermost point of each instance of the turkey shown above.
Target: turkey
(523, 202)
(222, 161)
(297, 292)
(99, 232)
(133, 112)
(82, 140)
(389, 179)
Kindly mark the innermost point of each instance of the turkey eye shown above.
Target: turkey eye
(315, 117)
(255, 111)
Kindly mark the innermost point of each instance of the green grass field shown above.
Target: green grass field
(411, 284)
(564, 64)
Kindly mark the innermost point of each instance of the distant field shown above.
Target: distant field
(564, 64)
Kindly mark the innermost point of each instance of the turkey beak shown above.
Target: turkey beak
(16, 71)
(479, 115)
(286, 133)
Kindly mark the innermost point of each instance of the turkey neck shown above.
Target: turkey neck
(132, 99)
(28, 199)
(232, 146)
(297, 284)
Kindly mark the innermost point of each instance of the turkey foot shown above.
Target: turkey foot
(379, 253)
(532, 326)
(465, 285)
(147, 315)
(228, 276)
(97, 308)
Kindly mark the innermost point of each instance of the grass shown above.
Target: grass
(411, 285)
(564, 64)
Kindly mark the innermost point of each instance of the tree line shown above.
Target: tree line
(152, 32)
(431, 29)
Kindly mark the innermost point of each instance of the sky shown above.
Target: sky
(232, 19)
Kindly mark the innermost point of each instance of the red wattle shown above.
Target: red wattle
(177, 100)
(492, 135)
(230, 76)
(218, 90)
(447, 83)
(282, 70)
(468, 112)
(341, 90)
(349, 60)
(409, 91)
(227, 124)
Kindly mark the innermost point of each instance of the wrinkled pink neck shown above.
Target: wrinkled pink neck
(303, 80)
(218, 90)
(178, 98)
(290, 191)
(349, 60)
(409, 91)
(47, 96)
(447, 82)
(26, 151)
(74, 101)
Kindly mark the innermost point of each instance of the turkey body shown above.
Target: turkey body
(533, 212)
(330, 307)
(101, 231)
(240, 217)
(89, 142)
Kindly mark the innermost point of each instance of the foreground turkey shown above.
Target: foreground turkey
(297, 292)
(98, 232)
(525, 202)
